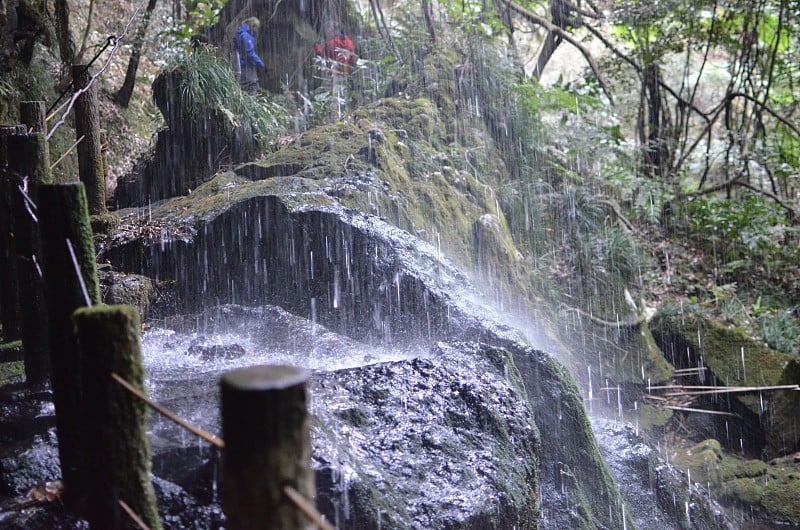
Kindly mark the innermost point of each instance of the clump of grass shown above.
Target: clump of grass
(204, 85)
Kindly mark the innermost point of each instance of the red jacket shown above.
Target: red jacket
(340, 50)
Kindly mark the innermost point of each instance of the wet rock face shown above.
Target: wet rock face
(438, 442)
(353, 274)
(656, 494)
(360, 277)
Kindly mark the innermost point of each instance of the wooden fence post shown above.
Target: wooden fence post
(87, 125)
(70, 282)
(118, 450)
(9, 300)
(28, 166)
(267, 447)
(34, 115)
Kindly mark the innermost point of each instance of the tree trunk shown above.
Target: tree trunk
(123, 96)
(66, 46)
(657, 149)
(90, 156)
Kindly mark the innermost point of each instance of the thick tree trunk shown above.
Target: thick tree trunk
(66, 46)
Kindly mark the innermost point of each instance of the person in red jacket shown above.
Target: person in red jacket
(339, 52)
(340, 58)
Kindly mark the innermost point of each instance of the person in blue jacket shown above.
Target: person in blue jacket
(244, 44)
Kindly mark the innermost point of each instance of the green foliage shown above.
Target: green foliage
(475, 16)
(777, 327)
(207, 84)
(200, 15)
(739, 229)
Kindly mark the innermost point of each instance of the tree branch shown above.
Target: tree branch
(539, 21)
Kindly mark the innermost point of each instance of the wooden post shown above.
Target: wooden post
(28, 167)
(34, 115)
(70, 282)
(267, 446)
(5, 132)
(118, 450)
(87, 124)
(9, 301)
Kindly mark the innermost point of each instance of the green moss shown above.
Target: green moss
(227, 189)
(651, 417)
(723, 349)
(10, 372)
(773, 489)
(749, 491)
(781, 496)
(702, 462)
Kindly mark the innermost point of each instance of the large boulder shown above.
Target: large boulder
(282, 242)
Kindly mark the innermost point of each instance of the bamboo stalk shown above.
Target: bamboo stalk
(307, 508)
(135, 518)
(704, 411)
(210, 438)
(67, 152)
(735, 390)
(685, 370)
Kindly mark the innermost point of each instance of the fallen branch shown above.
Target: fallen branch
(704, 411)
(734, 390)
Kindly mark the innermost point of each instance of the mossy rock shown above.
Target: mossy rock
(782, 492)
(721, 347)
(702, 462)
(785, 438)
(391, 161)
(127, 289)
(734, 359)
(773, 489)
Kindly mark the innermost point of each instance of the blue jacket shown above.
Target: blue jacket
(245, 44)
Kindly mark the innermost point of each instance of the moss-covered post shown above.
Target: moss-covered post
(70, 282)
(9, 301)
(87, 125)
(267, 446)
(117, 450)
(28, 166)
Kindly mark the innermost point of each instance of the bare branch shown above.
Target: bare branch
(539, 21)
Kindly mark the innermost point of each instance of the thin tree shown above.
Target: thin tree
(66, 46)
(123, 96)
(86, 31)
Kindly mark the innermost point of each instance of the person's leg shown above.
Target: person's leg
(249, 79)
(339, 93)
